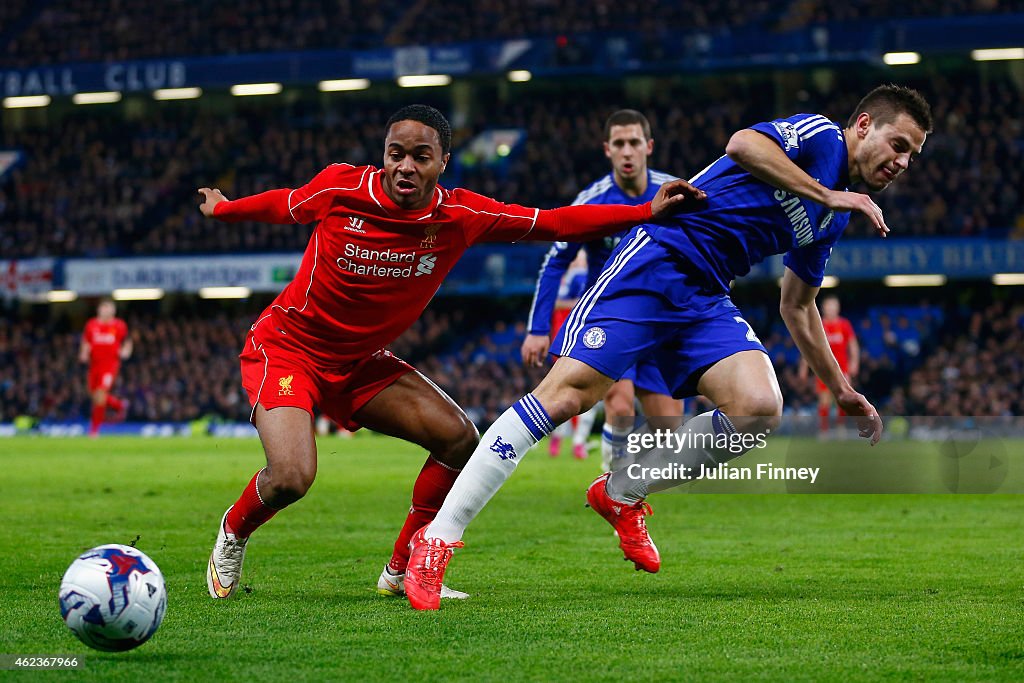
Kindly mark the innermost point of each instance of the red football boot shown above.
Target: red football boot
(629, 523)
(424, 577)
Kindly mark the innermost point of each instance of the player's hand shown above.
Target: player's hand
(855, 201)
(534, 349)
(211, 198)
(869, 424)
(675, 196)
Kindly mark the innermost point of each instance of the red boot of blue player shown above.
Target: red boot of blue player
(629, 523)
(424, 577)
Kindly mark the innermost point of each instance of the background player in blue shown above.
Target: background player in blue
(573, 285)
(780, 188)
(627, 144)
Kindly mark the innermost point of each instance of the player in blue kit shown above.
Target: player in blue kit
(781, 187)
(627, 144)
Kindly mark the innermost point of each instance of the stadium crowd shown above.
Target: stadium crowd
(103, 185)
(915, 360)
(977, 370)
(111, 30)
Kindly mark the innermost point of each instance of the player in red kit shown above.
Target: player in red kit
(843, 342)
(105, 343)
(384, 241)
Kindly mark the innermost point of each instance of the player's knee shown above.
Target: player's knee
(763, 406)
(455, 441)
(618, 404)
(288, 484)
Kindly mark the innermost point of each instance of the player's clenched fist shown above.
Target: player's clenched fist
(211, 198)
(673, 197)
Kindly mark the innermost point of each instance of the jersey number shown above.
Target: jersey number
(751, 336)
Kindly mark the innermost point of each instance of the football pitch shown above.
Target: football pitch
(767, 587)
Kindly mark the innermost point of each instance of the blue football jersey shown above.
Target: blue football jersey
(746, 220)
(561, 254)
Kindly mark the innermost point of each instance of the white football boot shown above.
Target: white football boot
(394, 585)
(225, 568)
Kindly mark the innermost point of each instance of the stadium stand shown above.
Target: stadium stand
(119, 181)
(108, 30)
(75, 179)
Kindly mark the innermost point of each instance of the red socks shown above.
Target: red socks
(249, 513)
(823, 411)
(98, 413)
(114, 403)
(428, 493)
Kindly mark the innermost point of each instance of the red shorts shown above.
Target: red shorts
(276, 377)
(558, 318)
(102, 377)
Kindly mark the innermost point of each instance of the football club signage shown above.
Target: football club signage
(258, 272)
(873, 259)
(486, 269)
(119, 76)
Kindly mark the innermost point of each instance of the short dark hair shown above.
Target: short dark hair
(428, 116)
(627, 117)
(886, 102)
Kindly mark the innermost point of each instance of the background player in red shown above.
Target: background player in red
(105, 343)
(843, 342)
(384, 242)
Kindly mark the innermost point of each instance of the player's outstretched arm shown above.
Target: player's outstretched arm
(266, 207)
(584, 222)
(765, 160)
(804, 323)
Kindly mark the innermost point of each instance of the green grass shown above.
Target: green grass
(774, 587)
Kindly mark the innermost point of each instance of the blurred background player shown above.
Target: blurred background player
(105, 343)
(572, 286)
(627, 144)
(843, 342)
(384, 241)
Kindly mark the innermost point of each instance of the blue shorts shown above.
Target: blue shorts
(646, 375)
(649, 304)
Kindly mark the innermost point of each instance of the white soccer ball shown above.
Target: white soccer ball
(113, 598)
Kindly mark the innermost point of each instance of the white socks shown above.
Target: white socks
(691, 453)
(494, 460)
(613, 443)
(584, 423)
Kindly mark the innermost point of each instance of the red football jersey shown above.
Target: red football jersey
(839, 333)
(104, 339)
(370, 267)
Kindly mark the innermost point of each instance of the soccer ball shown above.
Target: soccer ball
(113, 598)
